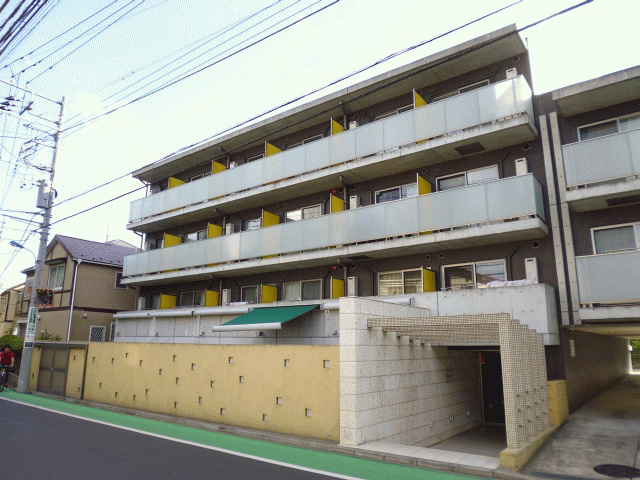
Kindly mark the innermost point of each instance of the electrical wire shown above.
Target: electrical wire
(52, 5)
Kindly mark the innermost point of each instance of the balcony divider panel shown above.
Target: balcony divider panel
(497, 200)
(486, 104)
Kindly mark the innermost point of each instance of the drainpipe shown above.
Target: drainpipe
(73, 297)
(511, 261)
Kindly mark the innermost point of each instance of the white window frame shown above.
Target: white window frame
(300, 283)
(636, 230)
(406, 270)
(247, 287)
(466, 176)
(310, 139)
(153, 300)
(301, 210)
(198, 233)
(121, 287)
(398, 187)
(461, 90)
(394, 112)
(194, 293)
(475, 264)
(56, 267)
(616, 119)
(253, 158)
(198, 177)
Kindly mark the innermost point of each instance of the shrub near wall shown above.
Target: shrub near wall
(292, 389)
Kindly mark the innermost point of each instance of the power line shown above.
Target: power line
(203, 68)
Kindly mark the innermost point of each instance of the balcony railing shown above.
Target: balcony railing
(601, 159)
(484, 105)
(609, 278)
(498, 200)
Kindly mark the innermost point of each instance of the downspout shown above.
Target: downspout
(73, 298)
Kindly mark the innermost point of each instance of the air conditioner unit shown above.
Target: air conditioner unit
(353, 124)
(352, 286)
(229, 229)
(232, 165)
(521, 166)
(512, 73)
(226, 296)
(531, 268)
(354, 202)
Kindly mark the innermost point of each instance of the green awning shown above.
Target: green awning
(265, 318)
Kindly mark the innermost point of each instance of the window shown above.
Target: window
(458, 91)
(473, 275)
(156, 302)
(154, 243)
(402, 281)
(396, 193)
(303, 213)
(621, 238)
(192, 299)
(194, 236)
(250, 294)
(471, 177)
(305, 290)
(255, 157)
(198, 177)
(252, 224)
(119, 281)
(609, 127)
(391, 113)
(56, 277)
(97, 333)
(304, 142)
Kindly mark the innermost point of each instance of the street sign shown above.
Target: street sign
(30, 335)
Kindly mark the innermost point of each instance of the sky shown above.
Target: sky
(590, 41)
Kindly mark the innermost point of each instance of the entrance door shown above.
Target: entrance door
(492, 392)
(52, 377)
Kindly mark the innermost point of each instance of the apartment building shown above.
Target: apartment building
(595, 138)
(81, 289)
(414, 202)
(10, 308)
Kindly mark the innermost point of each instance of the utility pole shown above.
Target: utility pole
(45, 191)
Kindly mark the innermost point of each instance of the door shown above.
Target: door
(492, 392)
(52, 377)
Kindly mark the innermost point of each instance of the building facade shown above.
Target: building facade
(81, 289)
(10, 308)
(415, 202)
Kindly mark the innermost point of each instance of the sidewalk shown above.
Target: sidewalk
(373, 461)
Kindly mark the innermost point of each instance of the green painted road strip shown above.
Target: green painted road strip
(329, 462)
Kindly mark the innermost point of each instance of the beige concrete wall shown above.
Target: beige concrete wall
(95, 288)
(81, 325)
(599, 361)
(200, 381)
(75, 372)
(55, 322)
(397, 390)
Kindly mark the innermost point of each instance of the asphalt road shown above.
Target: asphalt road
(38, 444)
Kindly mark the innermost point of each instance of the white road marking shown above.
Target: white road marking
(187, 442)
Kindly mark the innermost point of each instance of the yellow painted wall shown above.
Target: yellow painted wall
(75, 372)
(143, 376)
(337, 204)
(558, 401)
(35, 368)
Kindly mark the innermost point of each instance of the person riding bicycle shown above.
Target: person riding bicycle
(7, 360)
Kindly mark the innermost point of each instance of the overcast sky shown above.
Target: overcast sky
(593, 40)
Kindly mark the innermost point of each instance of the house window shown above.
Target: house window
(470, 177)
(609, 127)
(303, 213)
(154, 243)
(194, 236)
(458, 91)
(198, 177)
(396, 193)
(252, 224)
(391, 113)
(192, 299)
(621, 238)
(119, 281)
(255, 157)
(401, 281)
(304, 290)
(473, 275)
(250, 294)
(56, 277)
(305, 141)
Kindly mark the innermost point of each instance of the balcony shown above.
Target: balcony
(608, 286)
(503, 210)
(603, 172)
(494, 116)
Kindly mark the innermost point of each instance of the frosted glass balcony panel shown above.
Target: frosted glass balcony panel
(316, 154)
(342, 147)
(610, 278)
(398, 130)
(293, 161)
(369, 139)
